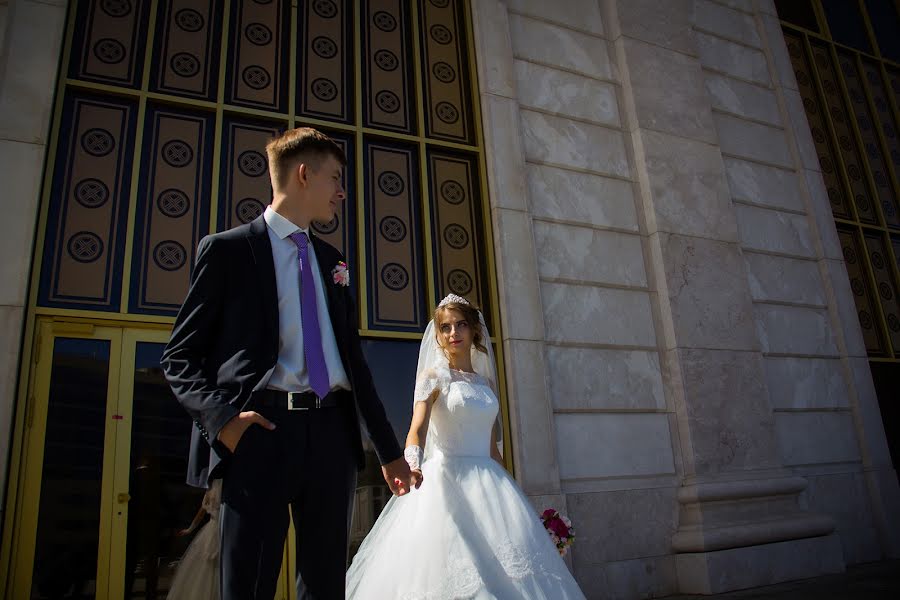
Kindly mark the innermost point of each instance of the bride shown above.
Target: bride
(468, 531)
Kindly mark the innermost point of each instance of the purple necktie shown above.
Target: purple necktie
(312, 335)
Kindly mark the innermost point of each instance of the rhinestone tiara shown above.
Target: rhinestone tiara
(452, 299)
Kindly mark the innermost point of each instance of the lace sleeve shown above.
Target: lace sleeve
(430, 380)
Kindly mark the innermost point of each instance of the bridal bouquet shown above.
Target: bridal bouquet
(560, 529)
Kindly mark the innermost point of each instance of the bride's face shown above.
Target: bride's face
(455, 332)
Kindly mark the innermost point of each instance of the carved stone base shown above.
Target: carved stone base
(738, 568)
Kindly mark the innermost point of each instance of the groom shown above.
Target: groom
(265, 356)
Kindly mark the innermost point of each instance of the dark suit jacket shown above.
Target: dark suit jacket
(225, 344)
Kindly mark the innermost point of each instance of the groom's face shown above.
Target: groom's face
(324, 188)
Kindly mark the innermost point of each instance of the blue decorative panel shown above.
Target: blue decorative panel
(84, 245)
(259, 40)
(109, 42)
(173, 207)
(325, 60)
(187, 47)
(395, 267)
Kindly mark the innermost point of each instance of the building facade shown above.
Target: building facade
(680, 217)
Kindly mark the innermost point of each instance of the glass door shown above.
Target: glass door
(104, 498)
(61, 544)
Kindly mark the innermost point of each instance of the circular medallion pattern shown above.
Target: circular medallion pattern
(386, 60)
(324, 89)
(97, 142)
(893, 323)
(446, 112)
(177, 153)
(441, 34)
(885, 290)
(109, 51)
(169, 255)
(327, 228)
(258, 34)
(173, 203)
(391, 183)
(85, 247)
(256, 77)
(392, 229)
(459, 282)
(252, 163)
(443, 72)
(865, 320)
(387, 101)
(453, 192)
(116, 8)
(91, 193)
(324, 47)
(456, 236)
(394, 276)
(189, 20)
(249, 209)
(384, 21)
(877, 260)
(184, 64)
(857, 286)
(325, 8)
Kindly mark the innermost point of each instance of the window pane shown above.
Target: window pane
(65, 557)
(883, 17)
(797, 12)
(846, 23)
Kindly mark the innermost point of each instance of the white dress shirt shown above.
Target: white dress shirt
(290, 374)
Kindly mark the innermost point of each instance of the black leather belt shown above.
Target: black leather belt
(295, 400)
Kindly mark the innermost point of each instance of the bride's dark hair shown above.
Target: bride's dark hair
(471, 314)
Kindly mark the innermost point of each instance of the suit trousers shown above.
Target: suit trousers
(306, 463)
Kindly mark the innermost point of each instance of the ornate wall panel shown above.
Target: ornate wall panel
(814, 114)
(854, 256)
(395, 268)
(445, 70)
(862, 196)
(886, 285)
(84, 244)
(456, 232)
(244, 188)
(389, 101)
(108, 46)
(187, 48)
(259, 41)
(866, 126)
(325, 60)
(888, 126)
(173, 207)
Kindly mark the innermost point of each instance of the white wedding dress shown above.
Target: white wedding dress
(469, 531)
(197, 574)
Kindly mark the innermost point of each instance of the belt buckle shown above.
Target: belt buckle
(291, 402)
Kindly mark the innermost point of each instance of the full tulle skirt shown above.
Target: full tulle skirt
(468, 532)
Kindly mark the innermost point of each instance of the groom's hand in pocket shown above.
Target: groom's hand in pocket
(234, 429)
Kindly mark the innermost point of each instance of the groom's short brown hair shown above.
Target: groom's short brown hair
(303, 144)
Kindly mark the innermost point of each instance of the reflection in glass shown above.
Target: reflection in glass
(883, 16)
(65, 559)
(161, 502)
(846, 24)
(393, 366)
(797, 12)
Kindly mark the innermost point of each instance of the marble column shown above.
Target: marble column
(736, 493)
(31, 35)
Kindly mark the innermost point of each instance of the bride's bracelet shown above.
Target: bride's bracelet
(414, 457)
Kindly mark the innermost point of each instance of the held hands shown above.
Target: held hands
(234, 429)
(399, 477)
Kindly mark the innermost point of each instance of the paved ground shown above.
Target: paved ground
(874, 581)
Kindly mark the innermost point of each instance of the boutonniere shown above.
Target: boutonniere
(340, 274)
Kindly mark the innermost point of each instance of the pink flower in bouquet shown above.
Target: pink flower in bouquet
(562, 534)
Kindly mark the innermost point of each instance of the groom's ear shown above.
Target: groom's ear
(301, 172)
